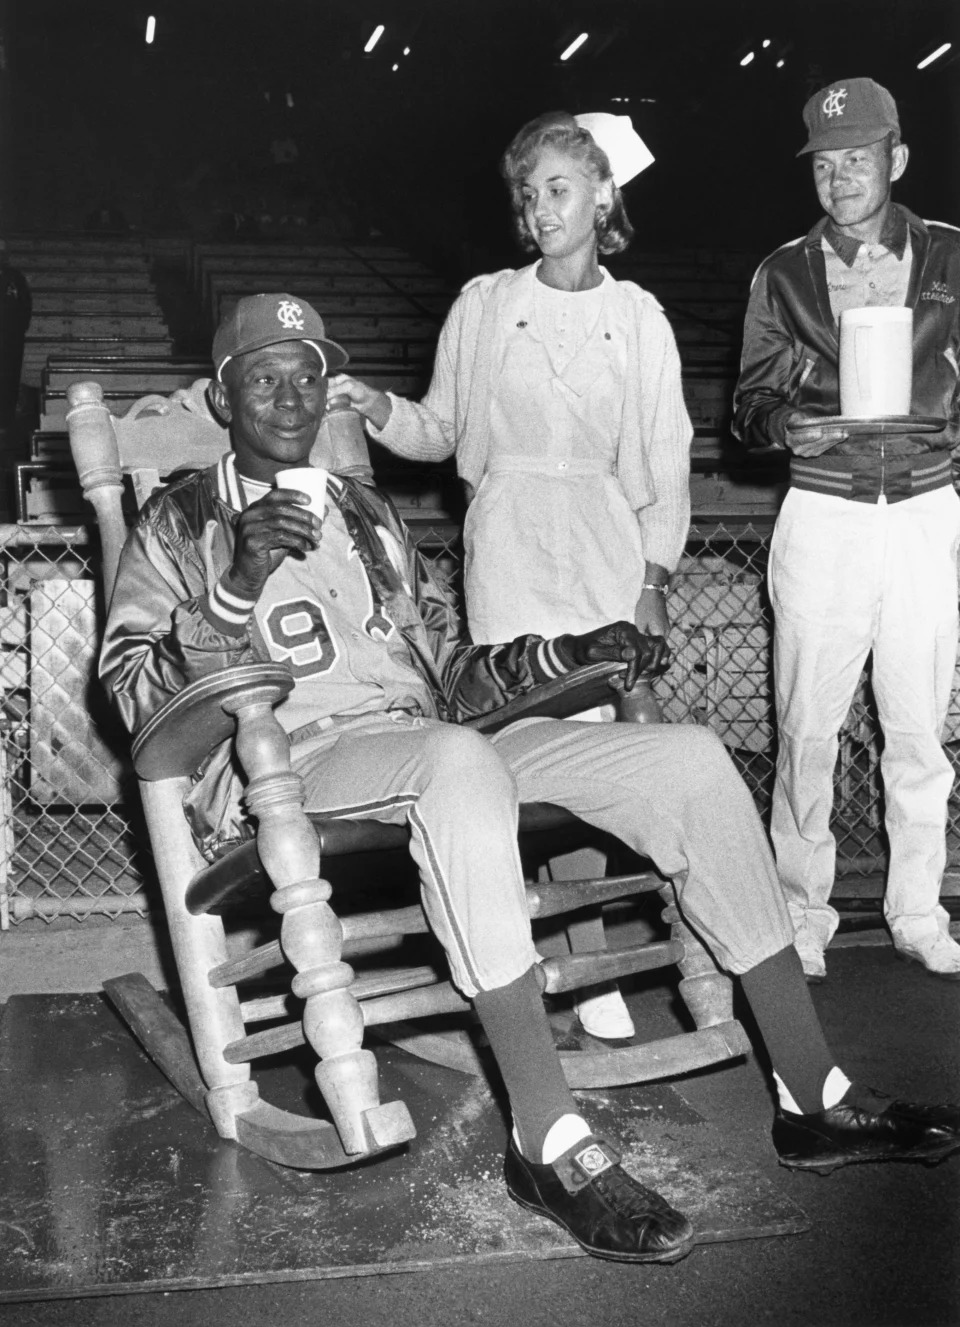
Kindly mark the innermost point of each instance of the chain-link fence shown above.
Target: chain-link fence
(68, 844)
(71, 842)
(722, 677)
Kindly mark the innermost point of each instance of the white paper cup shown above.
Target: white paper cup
(307, 479)
(876, 361)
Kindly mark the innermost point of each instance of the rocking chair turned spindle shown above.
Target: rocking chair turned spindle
(212, 1069)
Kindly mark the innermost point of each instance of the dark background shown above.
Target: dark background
(175, 134)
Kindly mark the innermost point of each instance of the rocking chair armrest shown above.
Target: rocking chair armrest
(581, 690)
(175, 741)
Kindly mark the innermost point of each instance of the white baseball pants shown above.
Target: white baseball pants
(847, 578)
(669, 792)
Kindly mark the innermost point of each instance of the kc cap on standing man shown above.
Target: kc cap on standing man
(864, 552)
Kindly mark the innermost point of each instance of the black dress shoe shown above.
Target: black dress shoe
(872, 1127)
(607, 1211)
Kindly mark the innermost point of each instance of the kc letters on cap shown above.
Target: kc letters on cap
(264, 320)
(849, 113)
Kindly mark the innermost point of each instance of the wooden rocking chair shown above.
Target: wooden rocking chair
(155, 438)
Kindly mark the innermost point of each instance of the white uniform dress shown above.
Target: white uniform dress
(566, 414)
(552, 544)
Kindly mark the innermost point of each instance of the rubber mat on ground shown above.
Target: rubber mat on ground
(111, 1183)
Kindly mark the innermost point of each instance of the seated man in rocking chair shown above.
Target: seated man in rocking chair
(224, 567)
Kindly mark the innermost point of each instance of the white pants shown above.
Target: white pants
(847, 578)
(669, 791)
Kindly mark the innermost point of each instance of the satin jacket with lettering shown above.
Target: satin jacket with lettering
(159, 638)
(791, 344)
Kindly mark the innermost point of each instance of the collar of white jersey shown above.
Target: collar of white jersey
(230, 485)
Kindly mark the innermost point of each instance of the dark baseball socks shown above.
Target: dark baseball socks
(546, 1120)
(804, 1068)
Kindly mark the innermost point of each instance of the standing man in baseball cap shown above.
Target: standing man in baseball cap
(864, 554)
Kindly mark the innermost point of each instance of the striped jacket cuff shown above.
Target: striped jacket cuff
(551, 660)
(227, 611)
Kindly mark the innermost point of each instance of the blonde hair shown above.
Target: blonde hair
(559, 130)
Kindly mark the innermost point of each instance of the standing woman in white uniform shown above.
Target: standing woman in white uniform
(558, 389)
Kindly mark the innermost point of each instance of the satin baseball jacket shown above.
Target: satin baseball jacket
(791, 344)
(163, 631)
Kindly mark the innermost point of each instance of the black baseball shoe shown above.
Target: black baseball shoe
(866, 1126)
(607, 1211)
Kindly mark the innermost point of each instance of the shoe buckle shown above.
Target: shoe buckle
(580, 1167)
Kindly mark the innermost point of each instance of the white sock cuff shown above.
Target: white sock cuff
(562, 1135)
(784, 1096)
(835, 1087)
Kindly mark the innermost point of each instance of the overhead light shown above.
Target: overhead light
(779, 64)
(374, 37)
(927, 60)
(746, 59)
(766, 42)
(406, 50)
(574, 46)
(290, 100)
(151, 29)
(394, 68)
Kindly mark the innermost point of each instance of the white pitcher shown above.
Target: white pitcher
(876, 361)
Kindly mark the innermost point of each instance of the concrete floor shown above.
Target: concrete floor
(884, 1247)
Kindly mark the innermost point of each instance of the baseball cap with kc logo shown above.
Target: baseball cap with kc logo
(849, 113)
(263, 320)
